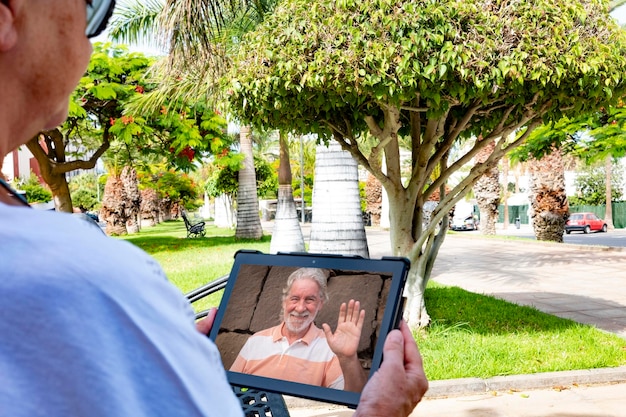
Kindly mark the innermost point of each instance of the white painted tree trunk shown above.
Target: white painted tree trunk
(337, 226)
(287, 235)
(224, 215)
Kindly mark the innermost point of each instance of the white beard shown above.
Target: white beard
(295, 324)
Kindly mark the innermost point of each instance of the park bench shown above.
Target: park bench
(193, 229)
(254, 403)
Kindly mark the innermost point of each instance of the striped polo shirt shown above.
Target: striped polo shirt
(308, 360)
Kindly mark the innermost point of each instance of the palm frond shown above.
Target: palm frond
(136, 22)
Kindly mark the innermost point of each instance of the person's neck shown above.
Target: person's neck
(294, 336)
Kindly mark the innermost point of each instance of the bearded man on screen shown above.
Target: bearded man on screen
(297, 350)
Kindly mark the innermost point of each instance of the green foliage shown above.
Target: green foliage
(35, 191)
(176, 186)
(362, 196)
(83, 191)
(296, 185)
(106, 106)
(310, 66)
(591, 137)
(225, 179)
(591, 186)
(266, 178)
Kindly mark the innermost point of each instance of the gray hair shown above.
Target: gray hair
(315, 274)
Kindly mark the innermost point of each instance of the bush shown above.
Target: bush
(35, 191)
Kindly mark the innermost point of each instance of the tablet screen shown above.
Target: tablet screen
(266, 295)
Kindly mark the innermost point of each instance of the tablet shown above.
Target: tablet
(253, 304)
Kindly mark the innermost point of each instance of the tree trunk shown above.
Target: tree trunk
(487, 193)
(49, 150)
(550, 208)
(133, 207)
(54, 178)
(337, 226)
(150, 206)
(165, 208)
(248, 219)
(374, 198)
(224, 215)
(114, 204)
(286, 235)
(608, 213)
(505, 174)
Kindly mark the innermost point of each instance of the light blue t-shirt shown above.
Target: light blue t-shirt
(90, 326)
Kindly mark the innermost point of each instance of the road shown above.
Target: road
(614, 238)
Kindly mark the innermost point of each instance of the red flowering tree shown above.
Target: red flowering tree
(102, 124)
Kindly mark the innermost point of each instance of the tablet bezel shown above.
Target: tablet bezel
(397, 267)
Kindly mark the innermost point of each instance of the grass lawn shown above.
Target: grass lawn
(471, 335)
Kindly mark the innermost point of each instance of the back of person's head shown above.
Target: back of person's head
(315, 274)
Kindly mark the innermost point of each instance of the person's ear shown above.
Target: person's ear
(8, 31)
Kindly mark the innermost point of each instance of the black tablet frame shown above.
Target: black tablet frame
(397, 267)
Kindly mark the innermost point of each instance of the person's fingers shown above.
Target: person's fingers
(204, 325)
(342, 313)
(360, 320)
(327, 331)
(393, 349)
(350, 310)
(413, 364)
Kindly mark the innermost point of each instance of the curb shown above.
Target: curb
(475, 386)
(468, 386)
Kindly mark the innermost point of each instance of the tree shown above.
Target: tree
(436, 72)
(549, 205)
(542, 165)
(133, 207)
(84, 191)
(337, 226)
(286, 235)
(487, 192)
(593, 137)
(114, 206)
(591, 184)
(248, 220)
(99, 120)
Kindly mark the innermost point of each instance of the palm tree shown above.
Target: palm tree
(549, 201)
(114, 204)
(550, 208)
(487, 192)
(337, 225)
(133, 204)
(199, 36)
(248, 220)
(287, 235)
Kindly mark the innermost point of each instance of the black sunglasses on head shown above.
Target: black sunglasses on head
(98, 14)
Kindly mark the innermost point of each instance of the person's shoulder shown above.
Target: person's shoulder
(57, 242)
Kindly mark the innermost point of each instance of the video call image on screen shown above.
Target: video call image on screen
(255, 304)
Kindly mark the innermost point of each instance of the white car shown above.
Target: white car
(464, 223)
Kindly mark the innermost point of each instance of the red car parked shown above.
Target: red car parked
(584, 222)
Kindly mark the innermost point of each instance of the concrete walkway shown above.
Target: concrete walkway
(582, 283)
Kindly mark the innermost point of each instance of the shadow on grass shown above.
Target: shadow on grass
(172, 236)
(487, 315)
(156, 244)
